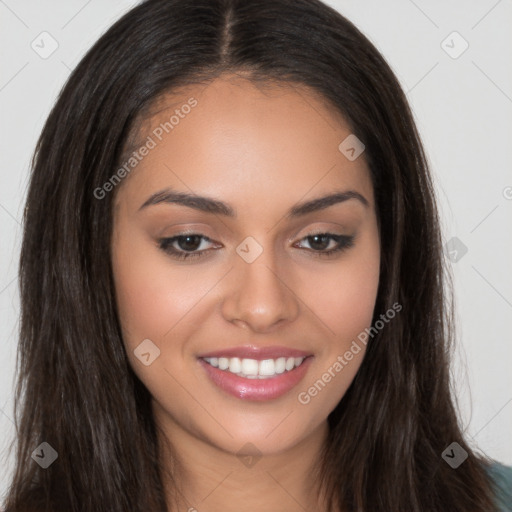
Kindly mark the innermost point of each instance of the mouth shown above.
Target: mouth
(258, 374)
(254, 369)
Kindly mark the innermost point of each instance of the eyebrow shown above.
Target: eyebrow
(209, 205)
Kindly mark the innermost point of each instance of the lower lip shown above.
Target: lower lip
(256, 389)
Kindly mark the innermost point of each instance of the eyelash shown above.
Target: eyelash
(343, 242)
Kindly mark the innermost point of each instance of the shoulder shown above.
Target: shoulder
(502, 479)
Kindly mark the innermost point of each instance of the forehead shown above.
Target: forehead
(248, 142)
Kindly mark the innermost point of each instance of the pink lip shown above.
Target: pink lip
(256, 389)
(258, 353)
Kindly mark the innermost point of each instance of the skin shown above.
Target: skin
(261, 151)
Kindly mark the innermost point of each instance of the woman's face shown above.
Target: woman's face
(258, 296)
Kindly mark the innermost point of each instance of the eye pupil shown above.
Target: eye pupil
(186, 246)
(323, 243)
(189, 246)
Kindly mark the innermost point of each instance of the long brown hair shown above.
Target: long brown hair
(76, 390)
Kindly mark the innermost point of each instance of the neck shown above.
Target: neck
(204, 478)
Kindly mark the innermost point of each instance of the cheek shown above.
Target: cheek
(344, 297)
(352, 301)
(345, 303)
(151, 298)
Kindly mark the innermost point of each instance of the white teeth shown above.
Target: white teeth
(253, 369)
(280, 365)
(267, 367)
(235, 365)
(249, 367)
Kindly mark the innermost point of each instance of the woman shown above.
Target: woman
(232, 278)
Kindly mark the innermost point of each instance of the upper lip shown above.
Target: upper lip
(258, 353)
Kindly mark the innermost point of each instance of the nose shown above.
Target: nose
(259, 295)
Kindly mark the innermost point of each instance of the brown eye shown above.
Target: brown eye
(184, 246)
(188, 245)
(189, 242)
(319, 242)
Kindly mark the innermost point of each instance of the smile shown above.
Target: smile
(258, 374)
(254, 369)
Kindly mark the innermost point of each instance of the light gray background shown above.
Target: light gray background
(463, 108)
